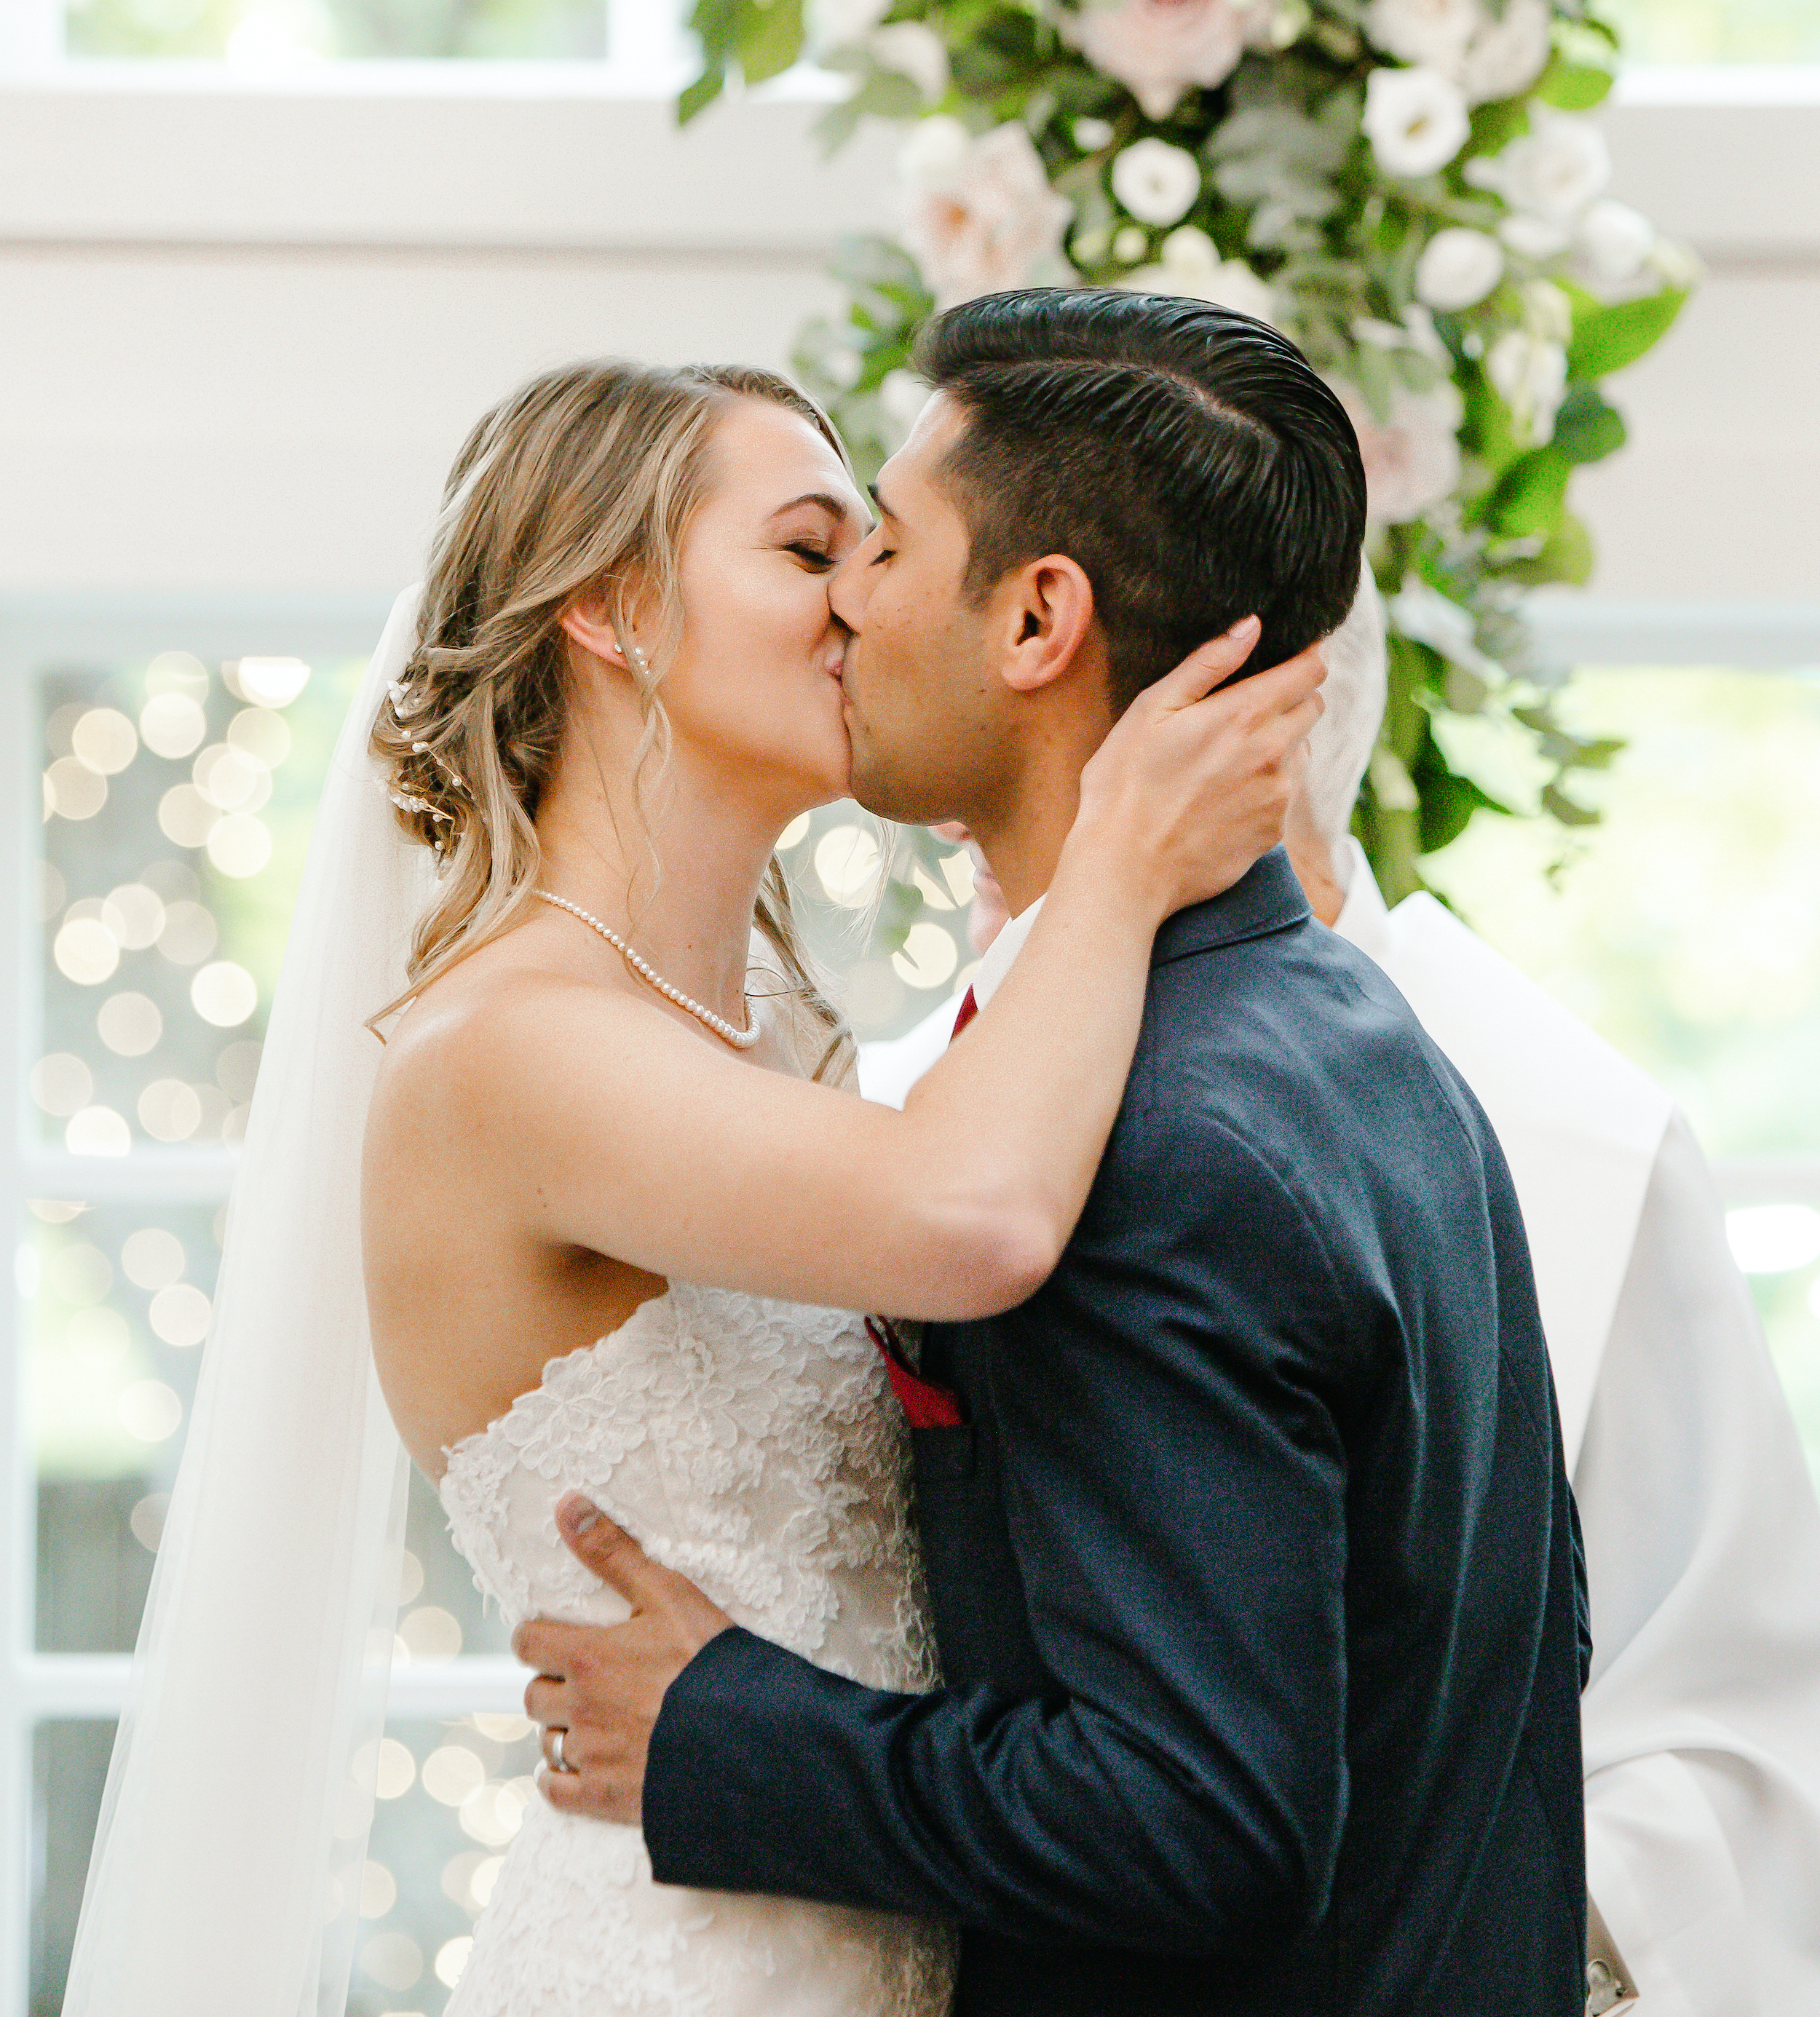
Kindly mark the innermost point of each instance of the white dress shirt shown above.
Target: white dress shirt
(1702, 1719)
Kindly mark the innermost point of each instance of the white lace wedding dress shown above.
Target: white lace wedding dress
(752, 1445)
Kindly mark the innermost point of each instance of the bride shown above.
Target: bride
(616, 1198)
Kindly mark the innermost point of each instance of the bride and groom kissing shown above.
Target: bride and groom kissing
(1229, 1660)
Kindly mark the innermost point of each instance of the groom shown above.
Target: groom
(1250, 1553)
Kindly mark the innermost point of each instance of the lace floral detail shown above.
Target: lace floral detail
(753, 1445)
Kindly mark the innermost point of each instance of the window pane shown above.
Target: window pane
(495, 30)
(1685, 927)
(1704, 31)
(69, 1768)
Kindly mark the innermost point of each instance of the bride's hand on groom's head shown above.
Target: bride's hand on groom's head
(1194, 785)
(598, 1688)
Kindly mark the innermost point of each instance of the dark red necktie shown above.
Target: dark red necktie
(925, 1404)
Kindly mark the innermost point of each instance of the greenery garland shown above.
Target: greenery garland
(1409, 188)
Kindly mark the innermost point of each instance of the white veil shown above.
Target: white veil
(225, 1878)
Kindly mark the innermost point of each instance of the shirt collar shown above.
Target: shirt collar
(1265, 899)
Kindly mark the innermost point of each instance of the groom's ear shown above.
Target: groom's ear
(1043, 611)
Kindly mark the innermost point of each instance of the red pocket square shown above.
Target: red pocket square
(925, 1404)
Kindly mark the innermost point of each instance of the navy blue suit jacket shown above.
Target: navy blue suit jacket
(1255, 1571)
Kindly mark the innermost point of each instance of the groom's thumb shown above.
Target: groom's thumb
(607, 1550)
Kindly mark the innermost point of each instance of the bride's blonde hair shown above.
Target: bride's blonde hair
(583, 482)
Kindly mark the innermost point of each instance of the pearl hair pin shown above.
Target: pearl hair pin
(741, 1039)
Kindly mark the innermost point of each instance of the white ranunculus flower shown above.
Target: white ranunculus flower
(1612, 242)
(1434, 32)
(915, 52)
(1458, 268)
(833, 24)
(1555, 170)
(1536, 238)
(1528, 373)
(1412, 460)
(1190, 264)
(1547, 311)
(1507, 56)
(1160, 48)
(980, 218)
(1415, 120)
(1156, 182)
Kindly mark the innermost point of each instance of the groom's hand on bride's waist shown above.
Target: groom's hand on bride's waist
(599, 1688)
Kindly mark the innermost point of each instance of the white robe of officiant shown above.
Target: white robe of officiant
(1702, 1718)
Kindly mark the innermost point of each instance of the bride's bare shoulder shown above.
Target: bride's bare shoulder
(467, 1048)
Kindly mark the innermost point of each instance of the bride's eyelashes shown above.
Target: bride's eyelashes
(807, 550)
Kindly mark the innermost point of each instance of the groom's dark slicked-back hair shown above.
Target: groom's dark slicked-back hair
(1188, 457)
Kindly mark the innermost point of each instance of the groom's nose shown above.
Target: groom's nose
(849, 586)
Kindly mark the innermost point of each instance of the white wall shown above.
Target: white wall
(241, 336)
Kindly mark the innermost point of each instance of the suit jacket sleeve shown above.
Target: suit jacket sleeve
(1702, 1718)
(1174, 1483)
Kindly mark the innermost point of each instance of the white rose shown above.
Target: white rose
(1434, 32)
(1412, 460)
(1612, 242)
(1533, 237)
(1156, 182)
(1159, 49)
(1547, 311)
(1415, 120)
(832, 24)
(1506, 57)
(934, 155)
(1458, 267)
(983, 221)
(1528, 373)
(1191, 266)
(917, 52)
(1554, 171)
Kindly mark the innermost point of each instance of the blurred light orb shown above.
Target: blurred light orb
(56, 1211)
(491, 1817)
(135, 914)
(929, 957)
(267, 682)
(130, 1024)
(411, 1577)
(265, 737)
(189, 935)
(98, 1130)
(794, 834)
(240, 845)
(486, 1875)
(149, 1411)
(452, 1774)
(80, 1273)
(169, 1110)
(73, 791)
(152, 1258)
(98, 1336)
(86, 951)
(503, 1728)
(432, 1634)
(105, 740)
(378, 1891)
(61, 728)
(458, 1874)
(61, 1084)
(224, 994)
(236, 1070)
(396, 1770)
(186, 817)
(179, 1314)
(227, 777)
(847, 862)
(394, 1960)
(172, 725)
(177, 673)
(452, 1958)
(147, 1518)
(1774, 1239)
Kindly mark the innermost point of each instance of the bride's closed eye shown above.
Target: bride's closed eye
(807, 549)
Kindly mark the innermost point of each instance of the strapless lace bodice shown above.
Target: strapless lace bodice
(752, 1445)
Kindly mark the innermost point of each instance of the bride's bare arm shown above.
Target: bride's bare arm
(609, 1126)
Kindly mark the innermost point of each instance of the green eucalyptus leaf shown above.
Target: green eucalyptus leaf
(1585, 429)
(1574, 87)
(1567, 810)
(771, 38)
(1530, 495)
(1610, 335)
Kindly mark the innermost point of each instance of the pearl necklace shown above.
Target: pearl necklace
(741, 1039)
